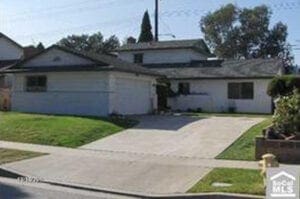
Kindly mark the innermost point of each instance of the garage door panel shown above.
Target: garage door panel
(133, 96)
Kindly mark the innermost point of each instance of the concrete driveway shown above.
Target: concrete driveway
(163, 154)
(177, 135)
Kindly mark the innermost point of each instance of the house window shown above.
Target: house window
(2, 81)
(184, 88)
(244, 90)
(36, 83)
(139, 58)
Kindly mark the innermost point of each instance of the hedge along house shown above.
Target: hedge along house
(62, 81)
(201, 81)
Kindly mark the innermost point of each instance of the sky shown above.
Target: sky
(32, 21)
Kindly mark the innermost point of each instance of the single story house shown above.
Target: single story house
(201, 81)
(62, 81)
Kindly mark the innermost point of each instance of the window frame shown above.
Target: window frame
(2, 81)
(181, 88)
(138, 58)
(39, 85)
(241, 89)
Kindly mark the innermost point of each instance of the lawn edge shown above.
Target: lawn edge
(221, 155)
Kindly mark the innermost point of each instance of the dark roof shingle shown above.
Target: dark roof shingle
(218, 69)
(196, 44)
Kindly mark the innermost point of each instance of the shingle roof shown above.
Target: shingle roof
(196, 44)
(254, 68)
(101, 62)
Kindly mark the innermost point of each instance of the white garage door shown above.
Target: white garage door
(133, 96)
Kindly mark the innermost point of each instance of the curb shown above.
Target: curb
(155, 195)
(9, 173)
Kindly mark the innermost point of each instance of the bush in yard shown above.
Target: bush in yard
(286, 118)
(283, 85)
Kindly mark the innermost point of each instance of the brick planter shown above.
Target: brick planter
(286, 151)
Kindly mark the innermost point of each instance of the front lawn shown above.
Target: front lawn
(243, 181)
(244, 147)
(8, 155)
(68, 131)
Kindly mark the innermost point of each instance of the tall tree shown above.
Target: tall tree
(40, 46)
(254, 24)
(146, 29)
(219, 31)
(90, 43)
(244, 33)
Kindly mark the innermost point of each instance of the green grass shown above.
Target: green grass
(244, 181)
(244, 147)
(65, 131)
(8, 155)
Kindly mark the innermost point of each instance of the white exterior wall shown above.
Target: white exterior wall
(9, 51)
(213, 97)
(83, 93)
(87, 93)
(132, 94)
(164, 56)
(74, 93)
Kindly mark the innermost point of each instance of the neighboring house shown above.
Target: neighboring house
(202, 82)
(61, 81)
(10, 53)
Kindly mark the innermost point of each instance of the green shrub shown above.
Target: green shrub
(283, 85)
(286, 118)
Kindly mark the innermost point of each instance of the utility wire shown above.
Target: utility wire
(83, 27)
(68, 11)
(101, 5)
(63, 13)
(105, 3)
(59, 8)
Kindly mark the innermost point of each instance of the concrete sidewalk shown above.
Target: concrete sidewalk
(123, 171)
(125, 156)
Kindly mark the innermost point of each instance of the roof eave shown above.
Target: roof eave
(24, 70)
(224, 77)
(139, 73)
(148, 49)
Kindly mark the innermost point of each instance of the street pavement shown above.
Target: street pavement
(13, 189)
